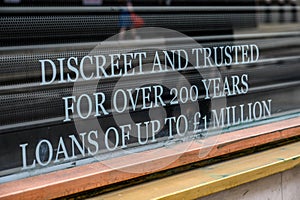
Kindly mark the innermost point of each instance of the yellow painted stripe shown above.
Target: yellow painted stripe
(214, 178)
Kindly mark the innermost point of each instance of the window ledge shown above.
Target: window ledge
(214, 178)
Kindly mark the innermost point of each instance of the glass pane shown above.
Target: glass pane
(82, 83)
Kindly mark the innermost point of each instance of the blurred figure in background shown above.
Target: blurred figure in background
(125, 21)
(294, 10)
(281, 4)
(268, 11)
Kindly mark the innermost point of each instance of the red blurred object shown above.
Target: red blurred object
(137, 21)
